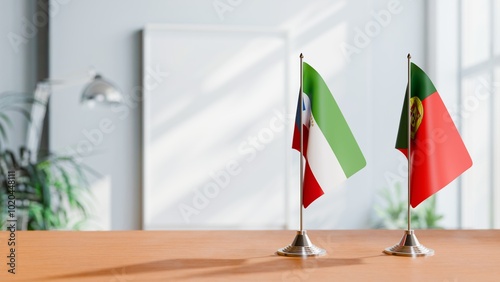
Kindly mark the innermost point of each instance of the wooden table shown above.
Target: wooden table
(247, 256)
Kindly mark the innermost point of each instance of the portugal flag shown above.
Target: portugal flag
(438, 154)
(330, 150)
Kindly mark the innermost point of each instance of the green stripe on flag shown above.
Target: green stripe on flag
(332, 123)
(422, 87)
(402, 139)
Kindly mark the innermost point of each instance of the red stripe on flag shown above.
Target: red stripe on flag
(312, 189)
(296, 139)
(438, 152)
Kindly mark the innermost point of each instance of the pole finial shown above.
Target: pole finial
(409, 56)
(301, 56)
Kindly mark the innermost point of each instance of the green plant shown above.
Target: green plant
(50, 193)
(393, 213)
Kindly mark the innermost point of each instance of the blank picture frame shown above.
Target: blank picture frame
(216, 132)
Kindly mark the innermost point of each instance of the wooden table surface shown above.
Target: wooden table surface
(247, 256)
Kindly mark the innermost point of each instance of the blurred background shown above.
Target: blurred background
(201, 138)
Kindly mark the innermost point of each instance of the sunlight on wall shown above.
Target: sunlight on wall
(229, 68)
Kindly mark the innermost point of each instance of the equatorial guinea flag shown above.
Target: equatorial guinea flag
(330, 150)
(438, 154)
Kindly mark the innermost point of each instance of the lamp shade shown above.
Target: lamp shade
(101, 90)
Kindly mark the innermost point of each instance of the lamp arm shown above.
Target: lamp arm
(98, 88)
(76, 80)
(38, 111)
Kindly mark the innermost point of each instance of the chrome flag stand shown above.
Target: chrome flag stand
(301, 245)
(409, 246)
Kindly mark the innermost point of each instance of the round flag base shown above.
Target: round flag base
(409, 247)
(301, 247)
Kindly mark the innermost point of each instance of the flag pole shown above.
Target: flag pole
(301, 172)
(301, 245)
(409, 246)
(409, 140)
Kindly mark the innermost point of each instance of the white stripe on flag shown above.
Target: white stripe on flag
(322, 160)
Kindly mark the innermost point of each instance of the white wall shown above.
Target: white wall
(465, 77)
(368, 86)
(18, 57)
